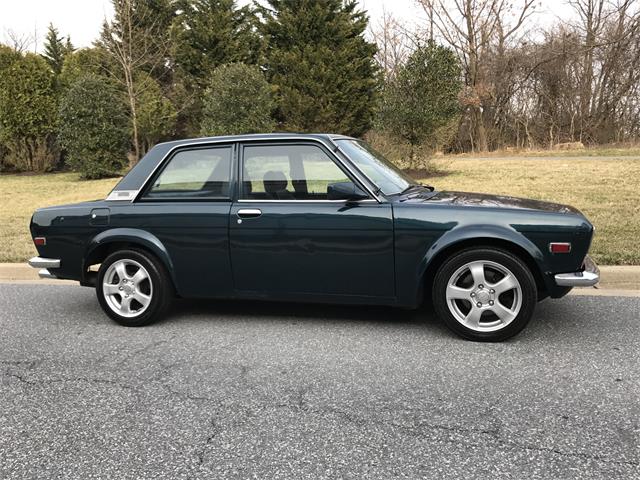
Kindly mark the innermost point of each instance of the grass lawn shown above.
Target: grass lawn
(607, 191)
(22, 194)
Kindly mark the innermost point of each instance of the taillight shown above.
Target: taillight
(560, 247)
(40, 241)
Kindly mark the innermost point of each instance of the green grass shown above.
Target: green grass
(607, 191)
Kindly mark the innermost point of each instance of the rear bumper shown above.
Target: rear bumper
(44, 264)
(588, 277)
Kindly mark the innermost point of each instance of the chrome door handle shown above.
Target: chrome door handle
(249, 212)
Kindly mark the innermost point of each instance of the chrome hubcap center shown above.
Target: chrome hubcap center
(128, 289)
(483, 296)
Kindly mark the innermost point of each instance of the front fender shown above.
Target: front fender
(133, 236)
(477, 233)
(413, 271)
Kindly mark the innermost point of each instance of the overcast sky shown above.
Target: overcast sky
(81, 19)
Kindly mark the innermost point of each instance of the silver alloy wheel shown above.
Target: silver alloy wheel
(484, 296)
(127, 288)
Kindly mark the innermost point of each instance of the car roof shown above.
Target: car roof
(258, 136)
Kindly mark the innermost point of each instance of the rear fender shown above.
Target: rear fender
(132, 237)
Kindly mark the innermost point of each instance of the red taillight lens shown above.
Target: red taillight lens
(40, 241)
(560, 247)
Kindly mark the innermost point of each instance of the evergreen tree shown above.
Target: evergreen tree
(82, 62)
(321, 64)
(27, 114)
(56, 48)
(423, 96)
(210, 33)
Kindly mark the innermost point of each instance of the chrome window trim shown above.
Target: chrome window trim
(256, 200)
(133, 195)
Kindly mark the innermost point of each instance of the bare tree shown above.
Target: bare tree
(132, 41)
(394, 44)
(472, 28)
(18, 41)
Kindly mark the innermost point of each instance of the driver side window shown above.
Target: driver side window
(288, 172)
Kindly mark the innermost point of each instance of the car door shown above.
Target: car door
(186, 206)
(288, 238)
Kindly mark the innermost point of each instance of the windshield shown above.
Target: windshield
(386, 176)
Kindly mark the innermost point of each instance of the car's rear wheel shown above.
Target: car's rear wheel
(133, 288)
(484, 294)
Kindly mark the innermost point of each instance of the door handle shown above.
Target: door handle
(249, 212)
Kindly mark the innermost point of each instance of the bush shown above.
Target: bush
(27, 113)
(238, 100)
(94, 128)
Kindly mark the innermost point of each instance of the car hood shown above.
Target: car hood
(468, 199)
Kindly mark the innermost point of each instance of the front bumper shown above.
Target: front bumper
(44, 264)
(588, 277)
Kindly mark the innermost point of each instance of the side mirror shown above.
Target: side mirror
(345, 191)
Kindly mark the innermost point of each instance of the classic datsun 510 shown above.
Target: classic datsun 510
(315, 218)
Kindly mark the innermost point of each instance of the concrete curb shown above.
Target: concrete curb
(620, 280)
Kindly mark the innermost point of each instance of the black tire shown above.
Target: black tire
(156, 285)
(490, 327)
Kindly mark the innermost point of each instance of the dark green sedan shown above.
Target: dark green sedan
(313, 218)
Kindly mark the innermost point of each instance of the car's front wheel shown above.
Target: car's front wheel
(133, 288)
(484, 294)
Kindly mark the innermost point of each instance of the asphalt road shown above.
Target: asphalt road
(268, 391)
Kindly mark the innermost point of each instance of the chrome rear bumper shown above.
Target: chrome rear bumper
(44, 264)
(39, 262)
(585, 278)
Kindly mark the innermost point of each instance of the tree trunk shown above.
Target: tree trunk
(481, 131)
(134, 118)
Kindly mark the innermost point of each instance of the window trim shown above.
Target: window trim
(284, 142)
(166, 161)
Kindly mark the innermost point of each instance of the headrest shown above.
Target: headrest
(275, 181)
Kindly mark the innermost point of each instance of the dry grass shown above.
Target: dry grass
(601, 151)
(607, 191)
(22, 194)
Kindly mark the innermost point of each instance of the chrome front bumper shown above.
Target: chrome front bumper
(585, 278)
(44, 264)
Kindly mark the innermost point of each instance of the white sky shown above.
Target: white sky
(82, 19)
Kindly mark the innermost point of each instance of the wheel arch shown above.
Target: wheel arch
(109, 241)
(512, 242)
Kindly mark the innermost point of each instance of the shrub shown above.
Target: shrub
(238, 100)
(94, 128)
(28, 113)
